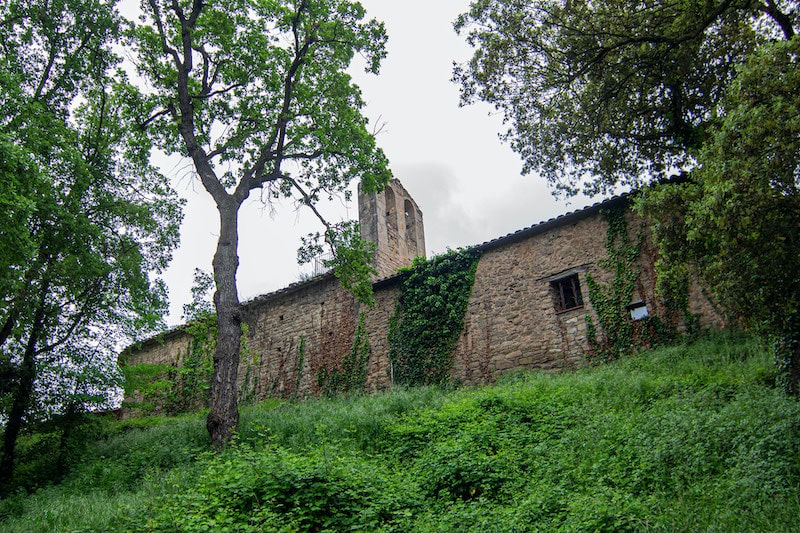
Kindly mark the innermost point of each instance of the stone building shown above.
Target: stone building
(527, 309)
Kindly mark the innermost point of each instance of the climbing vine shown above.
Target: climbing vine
(171, 389)
(352, 375)
(429, 317)
(298, 371)
(186, 386)
(675, 266)
(618, 333)
(610, 301)
(247, 390)
(192, 383)
(146, 386)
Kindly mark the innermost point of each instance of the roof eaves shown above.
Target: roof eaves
(555, 222)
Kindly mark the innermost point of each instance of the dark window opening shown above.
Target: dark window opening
(567, 293)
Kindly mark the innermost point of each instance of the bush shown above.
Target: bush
(687, 438)
(271, 489)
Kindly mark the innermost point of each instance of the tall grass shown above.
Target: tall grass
(686, 438)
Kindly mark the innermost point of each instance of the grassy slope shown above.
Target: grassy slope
(687, 438)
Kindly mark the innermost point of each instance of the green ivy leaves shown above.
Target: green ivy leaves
(609, 301)
(429, 317)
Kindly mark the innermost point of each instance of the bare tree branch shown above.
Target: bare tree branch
(205, 95)
(308, 201)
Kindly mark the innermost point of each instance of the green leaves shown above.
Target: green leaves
(429, 317)
(689, 438)
(89, 219)
(267, 87)
(274, 489)
(256, 94)
(602, 94)
(610, 300)
(599, 94)
(738, 215)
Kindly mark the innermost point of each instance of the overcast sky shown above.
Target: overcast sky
(449, 158)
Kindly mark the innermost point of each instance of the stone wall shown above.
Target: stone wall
(512, 322)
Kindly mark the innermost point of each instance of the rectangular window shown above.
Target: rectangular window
(567, 293)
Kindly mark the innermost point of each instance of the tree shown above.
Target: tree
(625, 93)
(598, 94)
(741, 212)
(85, 217)
(256, 94)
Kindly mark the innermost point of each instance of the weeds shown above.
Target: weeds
(684, 438)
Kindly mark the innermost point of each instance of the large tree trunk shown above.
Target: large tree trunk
(224, 414)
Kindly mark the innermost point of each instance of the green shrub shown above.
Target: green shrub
(686, 438)
(272, 489)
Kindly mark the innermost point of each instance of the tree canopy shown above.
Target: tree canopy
(597, 94)
(736, 222)
(257, 95)
(85, 218)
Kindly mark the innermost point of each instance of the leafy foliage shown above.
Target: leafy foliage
(619, 335)
(429, 317)
(610, 302)
(192, 380)
(689, 438)
(158, 388)
(613, 93)
(352, 260)
(740, 210)
(85, 217)
(201, 304)
(273, 489)
(603, 93)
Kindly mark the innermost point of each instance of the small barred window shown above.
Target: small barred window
(567, 293)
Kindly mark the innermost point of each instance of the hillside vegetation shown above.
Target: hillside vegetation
(687, 438)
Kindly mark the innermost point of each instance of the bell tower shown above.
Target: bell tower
(393, 221)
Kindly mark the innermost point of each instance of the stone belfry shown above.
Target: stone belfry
(393, 221)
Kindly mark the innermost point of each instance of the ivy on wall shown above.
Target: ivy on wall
(192, 387)
(171, 389)
(249, 384)
(351, 376)
(429, 317)
(610, 301)
(175, 389)
(147, 387)
(619, 334)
